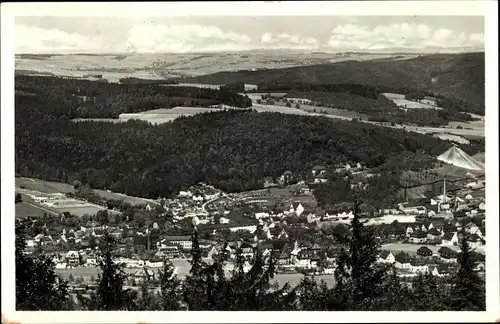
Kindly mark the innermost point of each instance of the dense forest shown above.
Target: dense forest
(457, 76)
(232, 150)
(89, 99)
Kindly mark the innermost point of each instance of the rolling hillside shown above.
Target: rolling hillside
(460, 76)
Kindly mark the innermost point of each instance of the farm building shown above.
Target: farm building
(386, 257)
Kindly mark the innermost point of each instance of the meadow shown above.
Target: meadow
(26, 209)
(29, 187)
(400, 100)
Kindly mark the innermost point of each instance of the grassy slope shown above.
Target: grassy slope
(458, 75)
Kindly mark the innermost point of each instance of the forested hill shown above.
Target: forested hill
(89, 99)
(231, 150)
(459, 76)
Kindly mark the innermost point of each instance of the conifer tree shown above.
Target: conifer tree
(170, 285)
(395, 295)
(195, 285)
(358, 279)
(110, 293)
(313, 296)
(468, 290)
(38, 287)
(429, 294)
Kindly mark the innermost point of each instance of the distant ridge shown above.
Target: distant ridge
(460, 76)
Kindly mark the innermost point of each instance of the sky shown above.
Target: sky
(229, 34)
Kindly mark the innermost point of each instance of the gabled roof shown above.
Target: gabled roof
(448, 236)
(419, 234)
(286, 252)
(402, 257)
(315, 246)
(434, 231)
(384, 254)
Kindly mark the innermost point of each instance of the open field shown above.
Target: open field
(29, 188)
(159, 116)
(400, 100)
(474, 129)
(452, 138)
(165, 65)
(44, 186)
(58, 203)
(196, 85)
(26, 209)
(106, 194)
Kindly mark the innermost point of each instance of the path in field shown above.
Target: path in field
(42, 208)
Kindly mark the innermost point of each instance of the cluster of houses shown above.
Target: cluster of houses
(445, 234)
(440, 263)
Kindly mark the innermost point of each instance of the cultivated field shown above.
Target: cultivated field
(163, 115)
(29, 188)
(400, 100)
(58, 203)
(452, 138)
(165, 65)
(26, 209)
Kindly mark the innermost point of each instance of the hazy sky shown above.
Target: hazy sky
(198, 34)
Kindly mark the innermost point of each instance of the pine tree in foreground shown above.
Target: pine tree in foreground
(38, 287)
(468, 290)
(110, 293)
(429, 293)
(358, 279)
(195, 285)
(170, 288)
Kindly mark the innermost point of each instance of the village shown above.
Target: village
(280, 221)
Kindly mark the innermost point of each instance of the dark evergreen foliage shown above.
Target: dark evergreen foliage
(38, 287)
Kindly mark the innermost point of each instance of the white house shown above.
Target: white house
(417, 267)
(261, 215)
(154, 264)
(197, 198)
(185, 194)
(224, 220)
(184, 241)
(91, 262)
(402, 261)
(386, 257)
(450, 239)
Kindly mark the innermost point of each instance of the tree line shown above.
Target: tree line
(361, 284)
(77, 98)
(368, 99)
